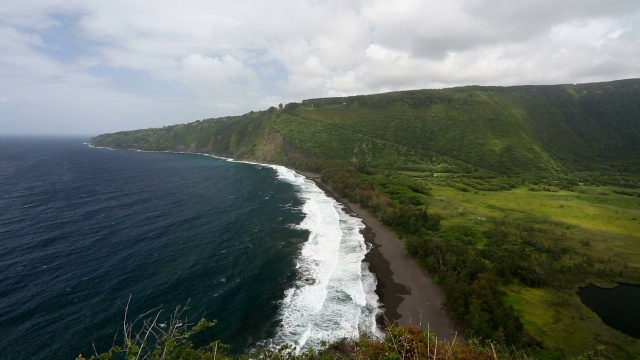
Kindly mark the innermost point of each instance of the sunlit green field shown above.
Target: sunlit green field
(592, 221)
(609, 223)
(562, 323)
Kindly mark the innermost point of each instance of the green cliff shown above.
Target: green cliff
(506, 130)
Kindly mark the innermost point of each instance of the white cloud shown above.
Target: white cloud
(214, 70)
(122, 64)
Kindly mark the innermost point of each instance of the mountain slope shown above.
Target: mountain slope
(507, 130)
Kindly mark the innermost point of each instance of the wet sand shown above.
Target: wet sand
(407, 293)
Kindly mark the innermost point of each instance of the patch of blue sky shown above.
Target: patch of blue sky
(64, 40)
(139, 81)
(270, 71)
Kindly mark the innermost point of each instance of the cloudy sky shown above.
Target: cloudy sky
(87, 67)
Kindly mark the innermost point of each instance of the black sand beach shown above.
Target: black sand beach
(407, 292)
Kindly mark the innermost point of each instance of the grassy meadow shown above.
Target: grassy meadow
(599, 223)
(592, 222)
(566, 326)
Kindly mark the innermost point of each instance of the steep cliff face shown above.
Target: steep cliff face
(275, 148)
(512, 130)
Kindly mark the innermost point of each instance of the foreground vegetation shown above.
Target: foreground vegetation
(531, 192)
(155, 340)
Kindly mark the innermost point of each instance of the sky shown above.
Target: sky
(89, 67)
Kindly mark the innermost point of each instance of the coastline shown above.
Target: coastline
(408, 294)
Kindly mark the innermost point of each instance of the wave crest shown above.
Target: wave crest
(334, 296)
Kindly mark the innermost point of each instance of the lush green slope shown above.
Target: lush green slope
(507, 130)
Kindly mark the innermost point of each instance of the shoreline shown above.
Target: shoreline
(408, 294)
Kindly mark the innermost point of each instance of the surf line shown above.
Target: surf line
(334, 295)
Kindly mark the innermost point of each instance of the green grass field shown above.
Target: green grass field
(593, 221)
(609, 222)
(562, 323)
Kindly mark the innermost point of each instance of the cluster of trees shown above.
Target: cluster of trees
(398, 201)
(473, 265)
(472, 287)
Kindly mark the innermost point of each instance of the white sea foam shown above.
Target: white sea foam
(334, 296)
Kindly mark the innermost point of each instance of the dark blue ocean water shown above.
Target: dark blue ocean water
(83, 229)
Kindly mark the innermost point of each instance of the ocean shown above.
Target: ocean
(258, 248)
